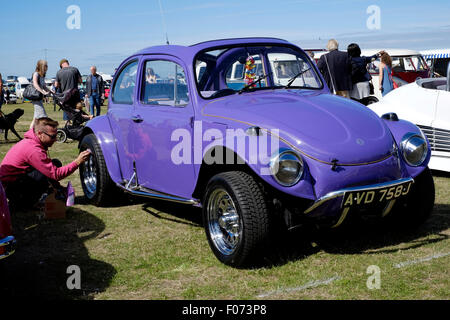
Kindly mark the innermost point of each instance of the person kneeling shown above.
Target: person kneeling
(27, 172)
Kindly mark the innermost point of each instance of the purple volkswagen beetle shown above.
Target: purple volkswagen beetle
(248, 130)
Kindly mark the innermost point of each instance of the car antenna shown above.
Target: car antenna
(163, 21)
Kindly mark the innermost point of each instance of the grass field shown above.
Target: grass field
(160, 251)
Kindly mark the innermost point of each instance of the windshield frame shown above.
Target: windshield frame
(270, 84)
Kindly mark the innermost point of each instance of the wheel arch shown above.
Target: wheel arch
(101, 128)
(207, 171)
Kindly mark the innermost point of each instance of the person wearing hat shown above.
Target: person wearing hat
(68, 78)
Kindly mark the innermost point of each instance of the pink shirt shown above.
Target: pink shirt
(27, 154)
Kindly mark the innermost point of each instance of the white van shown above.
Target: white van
(21, 84)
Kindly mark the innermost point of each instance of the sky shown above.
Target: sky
(103, 33)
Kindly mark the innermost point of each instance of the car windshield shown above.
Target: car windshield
(230, 69)
(414, 63)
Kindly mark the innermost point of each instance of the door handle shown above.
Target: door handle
(137, 119)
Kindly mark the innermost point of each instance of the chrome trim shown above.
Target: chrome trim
(388, 208)
(342, 218)
(340, 193)
(439, 139)
(148, 193)
(8, 241)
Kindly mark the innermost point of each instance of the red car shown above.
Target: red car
(7, 241)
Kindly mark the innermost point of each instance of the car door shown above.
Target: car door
(166, 117)
(120, 113)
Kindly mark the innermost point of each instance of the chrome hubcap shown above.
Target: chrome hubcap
(90, 177)
(224, 223)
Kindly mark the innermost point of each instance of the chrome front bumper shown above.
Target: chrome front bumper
(334, 200)
(7, 247)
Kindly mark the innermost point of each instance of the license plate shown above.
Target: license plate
(367, 197)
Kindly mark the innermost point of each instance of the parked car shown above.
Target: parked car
(7, 240)
(289, 152)
(426, 103)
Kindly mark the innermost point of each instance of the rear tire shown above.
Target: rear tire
(97, 185)
(235, 217)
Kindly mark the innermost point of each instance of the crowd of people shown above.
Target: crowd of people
(346, 73)
(26, 171)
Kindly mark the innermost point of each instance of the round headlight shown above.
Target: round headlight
(286, 167)
(414, 149)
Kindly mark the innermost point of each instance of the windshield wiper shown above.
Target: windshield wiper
(254, 82)
(291, 81)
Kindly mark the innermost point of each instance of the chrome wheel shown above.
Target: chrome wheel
(89, 172)
(223, 222)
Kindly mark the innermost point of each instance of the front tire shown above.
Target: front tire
(416, 207)
(95, 180)
(235, 217)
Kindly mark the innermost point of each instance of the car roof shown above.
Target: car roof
(190, 51)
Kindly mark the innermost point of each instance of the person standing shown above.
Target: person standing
(68, 78)
(1, 95)
(95, 90)
(360, 76)
(335, 67)
(38, 81)
(385, 79)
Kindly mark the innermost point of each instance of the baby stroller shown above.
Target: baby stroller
(73, 127)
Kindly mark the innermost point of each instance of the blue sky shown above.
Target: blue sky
(112, 30)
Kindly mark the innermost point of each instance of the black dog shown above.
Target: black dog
(8, 121)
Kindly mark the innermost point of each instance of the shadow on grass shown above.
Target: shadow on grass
(374, 238)
(357, 236)
(442, 174)
(45, 249)
(179, 213)
(9, 141)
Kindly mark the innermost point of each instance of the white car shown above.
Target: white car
(425, 102)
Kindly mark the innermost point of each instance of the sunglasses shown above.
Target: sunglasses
(52, 136)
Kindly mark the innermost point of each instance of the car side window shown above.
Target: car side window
(125, 84)
(164, 83)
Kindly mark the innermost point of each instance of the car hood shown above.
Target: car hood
(318, 125)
